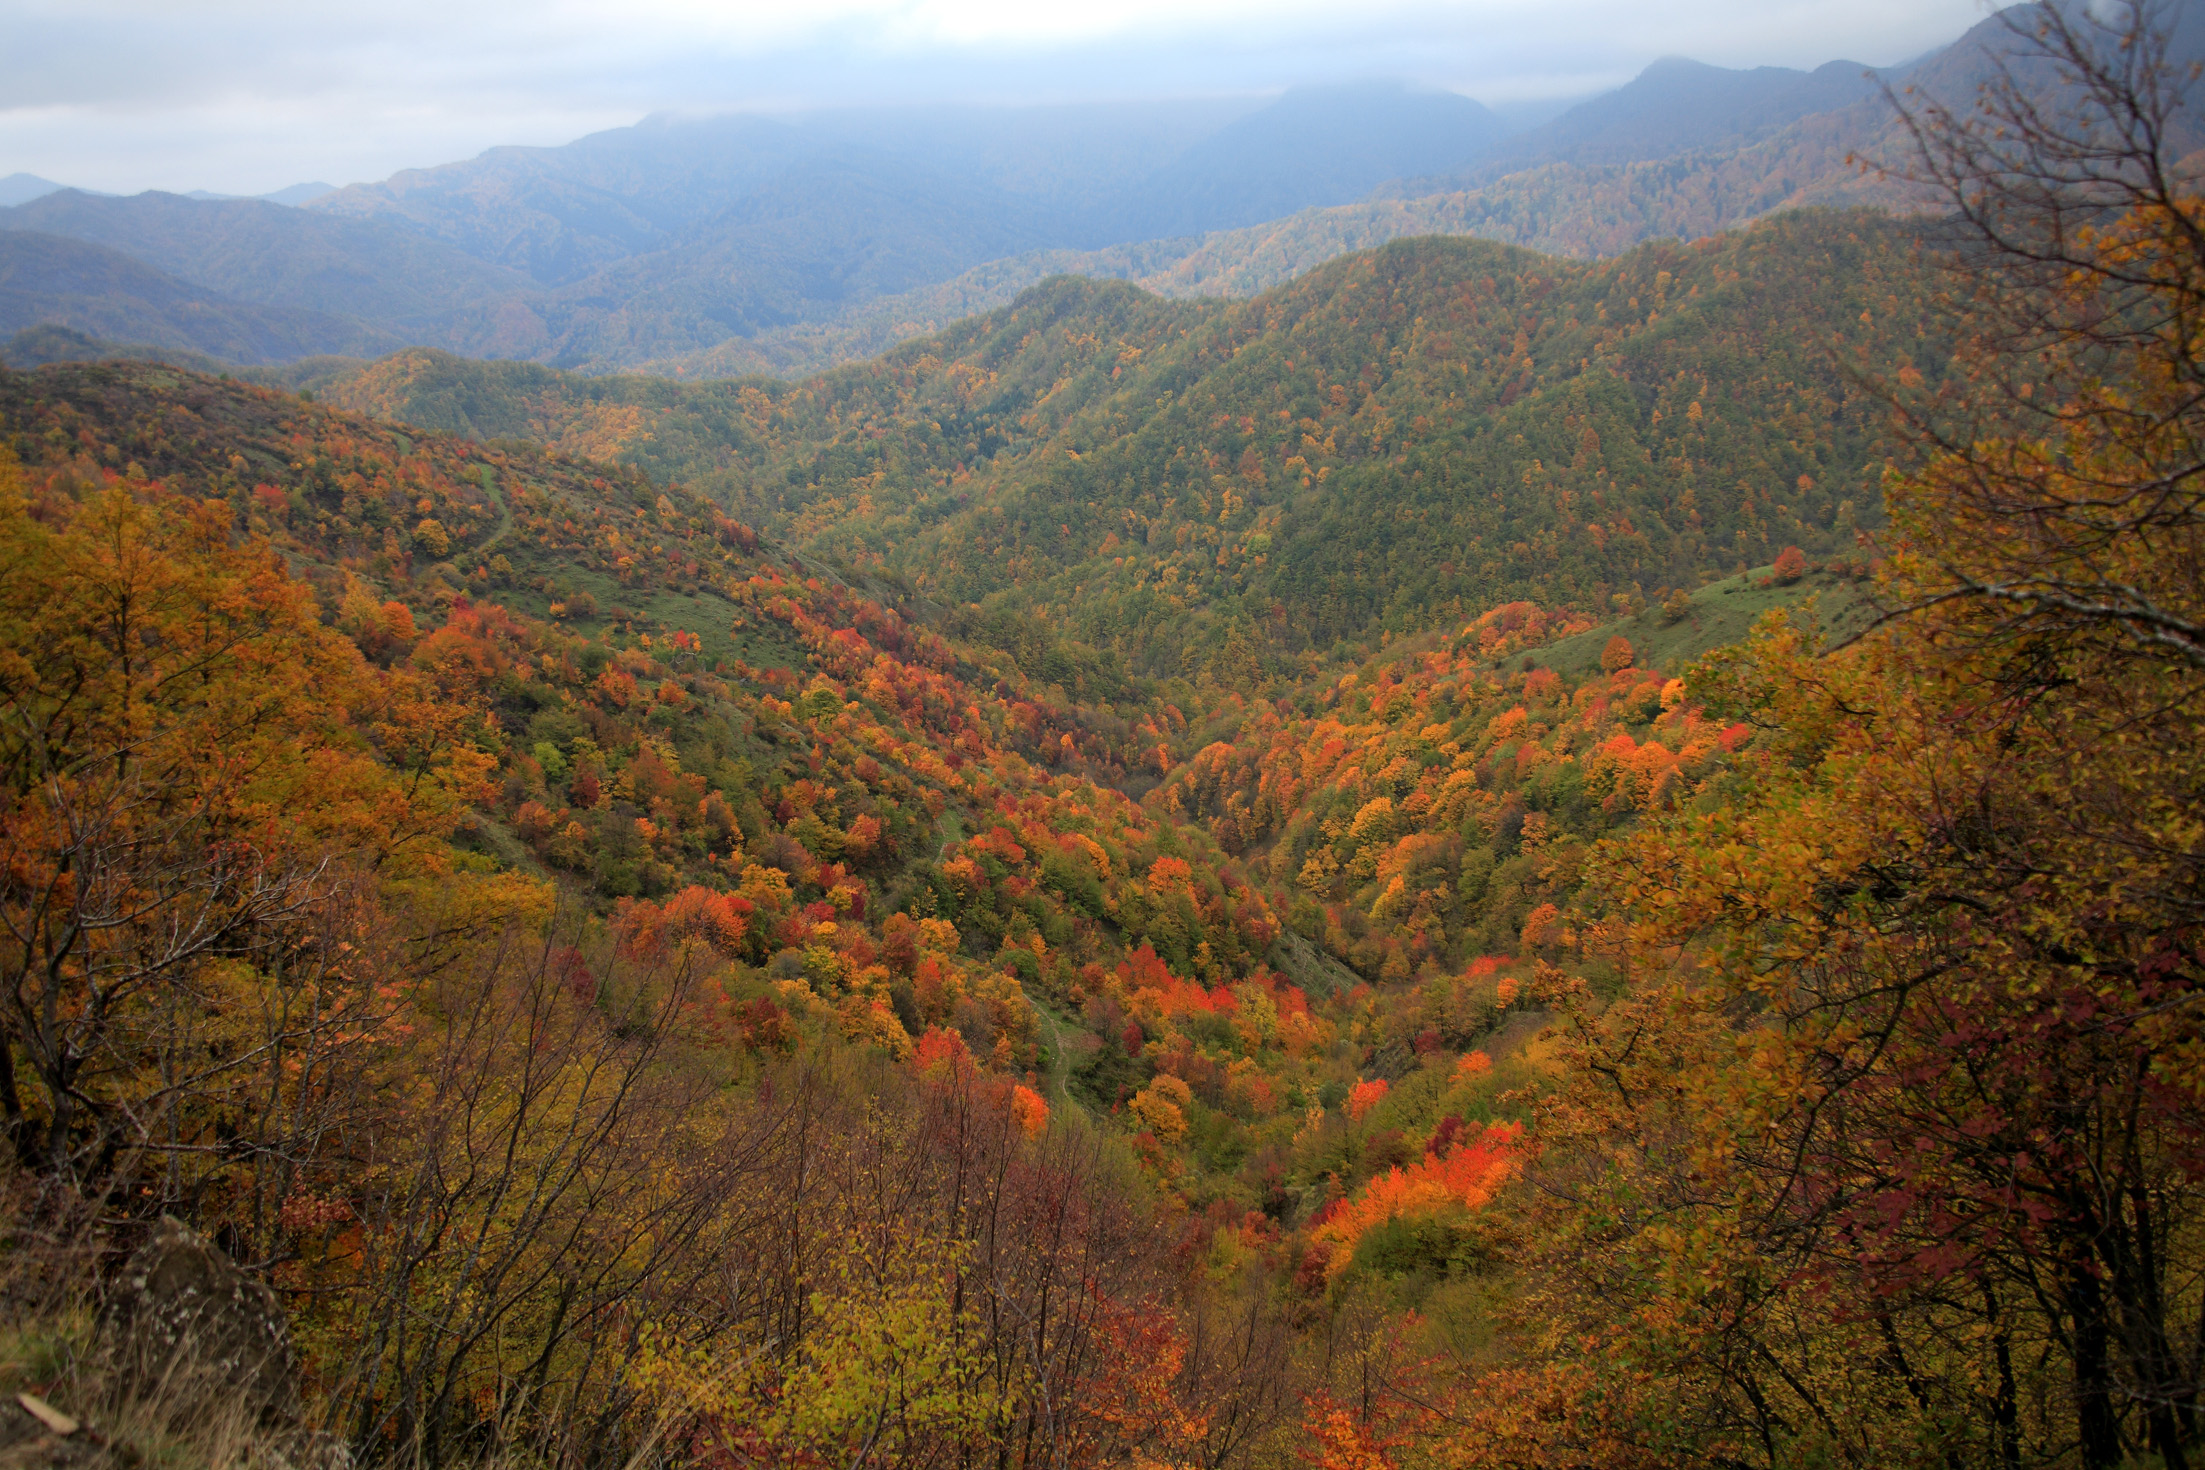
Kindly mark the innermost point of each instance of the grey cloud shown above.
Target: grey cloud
(244, 97)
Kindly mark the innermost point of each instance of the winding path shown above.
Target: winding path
(504, 527)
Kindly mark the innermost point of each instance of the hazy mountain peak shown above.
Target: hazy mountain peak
(1679, 105)
(22, 188)
(1312, 146)
(300, 194)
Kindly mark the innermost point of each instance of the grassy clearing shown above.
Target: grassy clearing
(759, 642)
(1722, 613)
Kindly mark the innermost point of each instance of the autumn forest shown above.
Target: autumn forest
(1476, 860)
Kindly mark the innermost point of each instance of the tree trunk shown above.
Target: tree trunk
(2097, 1423)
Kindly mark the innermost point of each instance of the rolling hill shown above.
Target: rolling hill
(1437, 425)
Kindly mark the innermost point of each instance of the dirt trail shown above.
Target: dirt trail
(1058, 1081)
(504, 527)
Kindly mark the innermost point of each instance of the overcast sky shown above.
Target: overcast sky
(245, 96)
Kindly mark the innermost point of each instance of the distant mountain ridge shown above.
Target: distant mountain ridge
(750, 244)
(295, 194)
(1675, 106)
(667, 239)
(54, 280)
(1310, 148)
(1747, 145)
(559, 214)
(272, 255)
(22, 188)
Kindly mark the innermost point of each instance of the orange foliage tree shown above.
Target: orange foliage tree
(183, 787)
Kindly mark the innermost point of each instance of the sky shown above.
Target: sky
(248, 96)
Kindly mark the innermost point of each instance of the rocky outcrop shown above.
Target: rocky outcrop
(183, 1326)
(1317, 973)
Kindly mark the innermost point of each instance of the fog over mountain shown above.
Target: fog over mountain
(254, 96)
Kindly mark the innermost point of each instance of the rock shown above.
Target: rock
(1317, 973)
(47, 1414)
(184, 1327)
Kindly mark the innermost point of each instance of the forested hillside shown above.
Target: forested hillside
(800, 822)
(1479, 861)
(798, 827)
(1409, 435)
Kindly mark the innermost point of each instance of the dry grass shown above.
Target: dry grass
(52, 1251)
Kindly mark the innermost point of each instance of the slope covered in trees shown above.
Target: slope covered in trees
(849, 1025)
(1406, 436)
(794, 831)
(774, 830)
